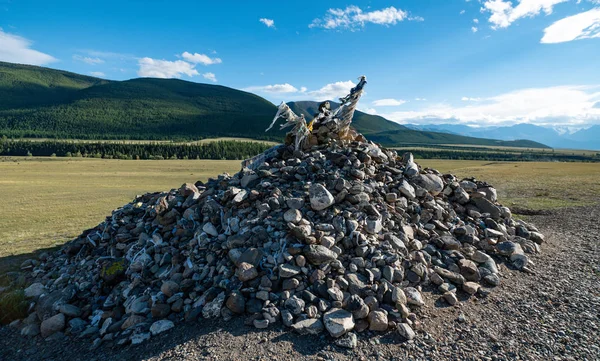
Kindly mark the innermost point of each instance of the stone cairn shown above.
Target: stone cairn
(331, 233)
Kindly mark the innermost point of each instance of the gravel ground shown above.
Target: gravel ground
(553, 314)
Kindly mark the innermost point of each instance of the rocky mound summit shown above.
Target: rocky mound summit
(337, 236)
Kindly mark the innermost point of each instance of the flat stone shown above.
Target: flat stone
(139, 338)
(132, 321)
(338, 322)
(35, 290)
(317, 254)
(349, 341)
(161, 326)
(310, 326)
(405, 331)
(287, 270)
(470, 287)
(70, 310)
(30, 330)
(210, 229)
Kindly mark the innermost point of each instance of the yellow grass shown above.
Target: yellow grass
(47, 201)
(533, 185)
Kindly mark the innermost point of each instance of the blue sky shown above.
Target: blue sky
(427, 61)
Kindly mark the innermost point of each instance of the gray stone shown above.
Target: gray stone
(406, 189)
(349, 341)
(338, 322)
(431, 182)
(413, 296)
(317, 254)
(161, 326)
(30, 330)
(295, 203)
(295, 305)
(287, 270)
(213, 308)
(470, 287)
(487, 207)
(320, 198)
(169, 288)
(52, 325)
(210, 229)
(34, 290)
(260, 324)
(450, 297)
(246, 272)
(398, 296)
(405, 331)
(139, 338)
(310, 326)
(70, 310)
(292, 215)
(378, 320)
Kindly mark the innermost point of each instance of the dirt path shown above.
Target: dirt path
(553, 314)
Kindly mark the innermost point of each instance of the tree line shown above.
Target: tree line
(237, 150)
(224, 150)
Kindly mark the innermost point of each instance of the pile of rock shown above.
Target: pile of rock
(344, 236)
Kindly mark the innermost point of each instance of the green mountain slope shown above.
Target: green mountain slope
(27, 85)
(43, 102)
(363, 122)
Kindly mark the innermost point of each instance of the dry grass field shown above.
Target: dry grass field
(47, 201)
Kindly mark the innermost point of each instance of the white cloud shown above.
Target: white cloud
(462, 12)
(97, 74)
(476, 21)
(108, 54)
(200, 58)
(210, 76)
(388, 102)
(270, 23)
(559, 105)
(584, 25)
(467, 99)
(503, 13)
(16, 49)
(474, 29)
(331, 91)
(165, 69)
(88, 60)
(420, 99)
(273, 89)
(354, 18)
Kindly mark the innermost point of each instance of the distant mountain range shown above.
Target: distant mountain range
(43, 102)
(554, 137)
(391, 133)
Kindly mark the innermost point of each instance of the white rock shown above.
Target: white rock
(35, 290)
(320, 198)
(161, 326)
